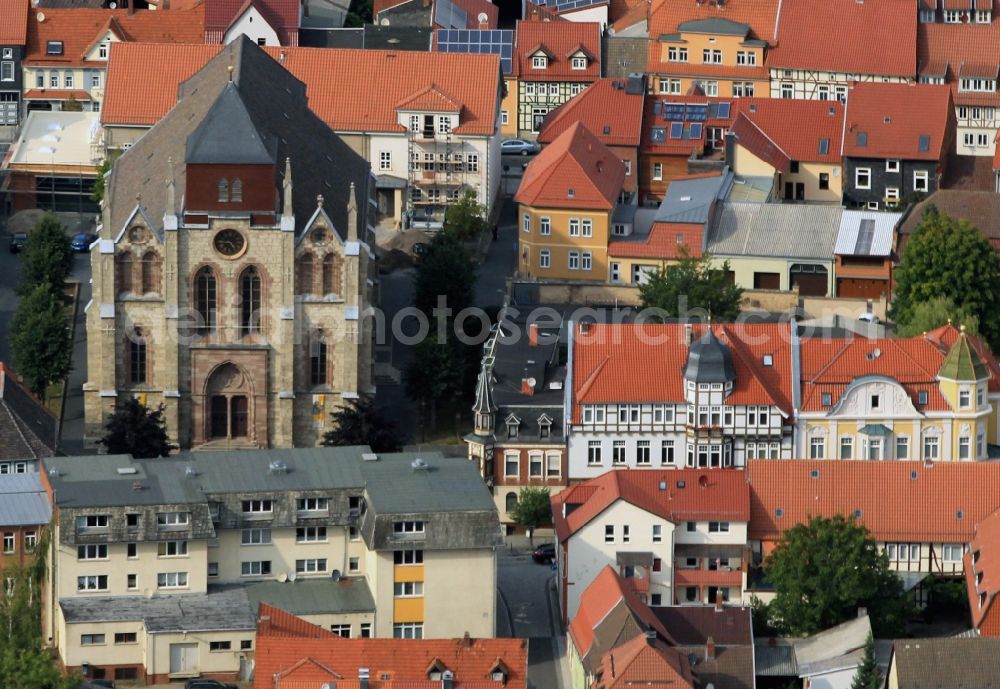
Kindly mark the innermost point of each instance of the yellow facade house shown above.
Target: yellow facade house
(566, 201)
(931, 398)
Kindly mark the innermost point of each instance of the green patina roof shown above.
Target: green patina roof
(963, 362)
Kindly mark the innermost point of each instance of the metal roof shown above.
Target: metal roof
(714, 25)
(23, 501)
(314, 596)
(690, 200)
(866, 233)
(784, 230)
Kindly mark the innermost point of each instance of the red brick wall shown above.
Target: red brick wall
(990, 626)
(20, 556)
(260, 191)
(523, 478)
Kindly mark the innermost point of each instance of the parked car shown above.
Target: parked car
(97, 684)
(82, 240)
(519, 146)
(17, 242)
(208, 684)
(544, 554)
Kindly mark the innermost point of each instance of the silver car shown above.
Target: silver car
(519, 146)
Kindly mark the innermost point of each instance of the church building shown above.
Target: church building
(231, 279)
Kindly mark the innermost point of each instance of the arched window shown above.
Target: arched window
(250, 302)
(237, 194)
(511, 502)
(125, 268)
(223, 190)
(205, 300)
(306, 274)
(150, 272)
(317, 358)
(331, 274)
(136, 357)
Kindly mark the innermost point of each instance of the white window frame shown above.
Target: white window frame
(860, 172)
(579, 62)
(311, 565)
(385, 160)
(544, 259)
(573, 260)
(587, 227)
(545, 226)
(595, 452)
(657, 172)
(172, 580)
(921, 180)
(746, 58)
(539, 62)
(677, 54)
(892, 166)
(586, 261)
(255, 568)
(311, 534)
(526, 223)
(92, 582)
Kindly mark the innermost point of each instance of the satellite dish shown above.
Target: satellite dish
(113, 5)
(384, 22)
(40, 17)
(532, 382)
(483, 18)
(291, 576)
(282, 578)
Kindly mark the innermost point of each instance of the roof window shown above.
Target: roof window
(768, 360)
(862, 139)
(54, 48)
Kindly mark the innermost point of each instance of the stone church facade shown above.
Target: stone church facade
(231, 280)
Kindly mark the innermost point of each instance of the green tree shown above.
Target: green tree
(466, 218)
(824, 571)
(41, 341)
(692, 283)
(446, 270)
(360, 422)
(47, 257)
(951, 259)
(532, 510)
(71, 104)
(32, 668)
(436, 373)
(936, 312)
(136, 430)
(868, 675)
(97, 195)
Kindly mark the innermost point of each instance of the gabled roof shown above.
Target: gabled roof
(642, 662)
(429, 99)
(862, 46)
(898, 501)
(23, 500)
(982, 568)
(574, 171)
(13, 22)
(980, 208)
(140, 96)
(662, 110)
(908, 121)
(27, 429)
(284, 641)
(761, 16)
(675, 495)
(922, 663)
(274, 102)
(626, 363)
(281, 15)
(945, 50)
(560, 40)
(79, 28)
(227, 135)
(612, 114)
(762, 128)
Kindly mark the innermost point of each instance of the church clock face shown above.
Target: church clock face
(230, 243)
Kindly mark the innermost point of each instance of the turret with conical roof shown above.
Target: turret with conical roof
(709, 360)
(963, 362)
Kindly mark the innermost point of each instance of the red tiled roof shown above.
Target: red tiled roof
(662, 242)
(302, 652)
(13, 22)
(895, 116)
(473, 8)
(706, 494)
(144, 96)
(694, 70)
(983, 560)
(666, 15)
(430, 99)
(762, 128)
(644, 662)
(380, 6)
(281, 15)
(558, 39)
(621, 16)
(602, 594)
(643, 363)
(943, 49)
(80, 28)
(861, 45)
(899, 501)
(611, 114)
(574, 171)
(55, 94)
(682, 147)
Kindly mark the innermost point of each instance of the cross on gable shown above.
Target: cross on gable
(109, 329)
(169, 271)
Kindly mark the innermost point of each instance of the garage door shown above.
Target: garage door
(811, 279)
(861, 288)
(767, 281)
(183, 659)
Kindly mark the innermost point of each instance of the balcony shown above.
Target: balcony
(707, 577)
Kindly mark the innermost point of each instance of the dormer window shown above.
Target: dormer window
(102, 50)
(499, 672)
(223, 190)
(544, 426)
(513, 423)
(977, 85)
(436, 670)
(579, 63)
(54, 48)
(921, 397)
(539, 62)
(827, 399)
(237, 191)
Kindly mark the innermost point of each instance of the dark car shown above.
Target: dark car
(97, 684)
(17, 242)
(544, 554)
(208, 684)
(82, 240)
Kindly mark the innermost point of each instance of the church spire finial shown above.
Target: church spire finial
(352, 215)
(287, 187)
(319, 200)
(171, 208)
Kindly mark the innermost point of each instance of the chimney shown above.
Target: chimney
(533, 334)
(363, 678)
(709, 648)
(264, 624)
(526, 387)
(688, 334)
(467, 640)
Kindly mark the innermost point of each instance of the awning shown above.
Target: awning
(708, 550)
(876, 429)
(635, 559)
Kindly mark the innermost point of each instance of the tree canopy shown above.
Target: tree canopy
(41, 341)
(533, 509)
(137, 430)
(948, 258)
(47, 257)
(868, 675)
(436, 372)
(824, 571)
(446, 269)
(692, 283)
(936, 312)
(360, 422)
(466, 218)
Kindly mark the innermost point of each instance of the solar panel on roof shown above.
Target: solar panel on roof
(479, 41)
(673, 112)
(925, 143)
(676, 130)
(696, 113)
(723, 111)
(658, 135)
(866, 235)
(565, 5)
(696, 130)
